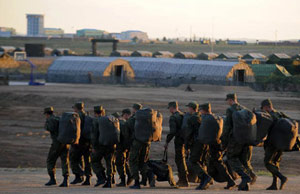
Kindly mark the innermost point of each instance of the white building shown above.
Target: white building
(130, 34)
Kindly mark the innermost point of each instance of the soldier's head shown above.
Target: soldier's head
(136, 107)
(78, 106)
(173, 106)
(48, 111)
(192, 107)
(205, 108)
(116, 115)
(126, 113)
(99, 111)
(231, 99)
(267, 105)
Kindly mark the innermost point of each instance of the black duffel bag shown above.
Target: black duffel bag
(69, 128)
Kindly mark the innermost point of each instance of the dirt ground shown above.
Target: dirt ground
(24, 143)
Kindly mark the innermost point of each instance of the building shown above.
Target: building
(121, 53)
(115, 35)
(54, 32)
(236, 42)
(207, 56)
(163, 54)
(141, 54)
(131, 34)
(35, 25)
(280, 59)
(91, 33)
(263, 71)
(229, 56)
(147, 70)
(185, 55)
(255, 58)
(7, 32)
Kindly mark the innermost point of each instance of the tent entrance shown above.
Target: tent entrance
(240, 75)
(119, 75)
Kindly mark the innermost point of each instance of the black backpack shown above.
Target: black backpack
(69, 128)
(109, 130)
(211, 129)
(87, 128)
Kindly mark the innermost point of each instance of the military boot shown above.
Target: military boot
(123, 182)
(52, 180)
(108, 183)
(244, 185)
(230, 184)
(152, 179)
(65, 182)
(87, 181)
(78, 179)
(205, 181)
(283, 180)
(253, 178)
(274, 184)
(129, 178)
(183, 181)
(136, 185)
(100, 180)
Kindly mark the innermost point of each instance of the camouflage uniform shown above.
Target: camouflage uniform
(272, 154)
(139, 152)
(239, 156)
(57, 149)
(198, 150)
(101, 151)
(80, 154)
(122, 151)
(175, 123)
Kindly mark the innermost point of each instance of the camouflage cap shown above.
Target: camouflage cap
(78, 105)
(266, 102)
(126, 111)
(231, 96)
(116, 114)
(205, 106)
(173, 104)
(137, 106)
(193, 105)
(98, 108)
(48, 110)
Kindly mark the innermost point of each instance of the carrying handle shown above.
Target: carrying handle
(165, 157)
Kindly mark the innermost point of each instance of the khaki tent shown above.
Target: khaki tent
(163, 54)
(120, 53)
(141, 54)
(185, 55)
(207, 56)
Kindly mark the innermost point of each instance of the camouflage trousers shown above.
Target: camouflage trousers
(272, 159)
(180, 158)
(198, 158)
(239, 158)
(139, 155)
(122, 161)
(57, 150)
(107, 153)
(80, 159)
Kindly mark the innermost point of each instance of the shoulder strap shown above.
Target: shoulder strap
(165, 157)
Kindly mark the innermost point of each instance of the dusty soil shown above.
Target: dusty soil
(33, 180)
(24, 143)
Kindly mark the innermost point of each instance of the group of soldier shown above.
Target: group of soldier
(129, 156)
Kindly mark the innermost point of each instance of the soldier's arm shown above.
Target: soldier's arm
(227, 127)
(50, 125)
(173, 129)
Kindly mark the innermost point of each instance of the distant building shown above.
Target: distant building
(255, 58)
(54, 32)
(130, 34)
(91, 33)
(229, 56)
(35, 25)
(115, 35)
(236, 42)
(7, 32)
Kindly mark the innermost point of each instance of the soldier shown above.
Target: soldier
(239, 156)
(198, 150)
(215, 152)
(175, 124)
(100, 151)
(139, 152)
(273, 155)
(122, 153)
(81, 151)
(57, 149)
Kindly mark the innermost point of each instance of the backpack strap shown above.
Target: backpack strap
(165, 157)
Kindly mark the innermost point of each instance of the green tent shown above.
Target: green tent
(266, 70)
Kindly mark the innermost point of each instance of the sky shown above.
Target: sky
(233, 19)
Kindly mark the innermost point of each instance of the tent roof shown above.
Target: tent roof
(231, 55)
(281, 55)
(266, 70)
(255, 56)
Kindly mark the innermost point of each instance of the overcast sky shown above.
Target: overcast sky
(253, 19)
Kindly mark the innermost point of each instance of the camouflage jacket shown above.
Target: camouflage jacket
(95, 133)
(175, 123)
(51, 125)
(130, 129)
(193, 125)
